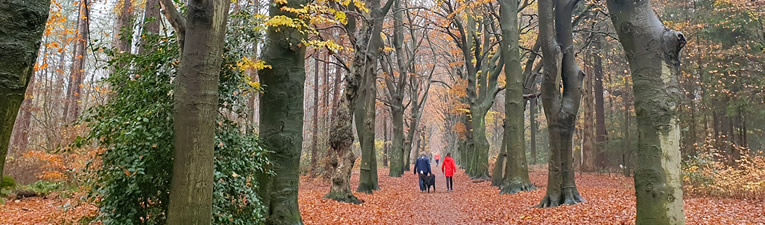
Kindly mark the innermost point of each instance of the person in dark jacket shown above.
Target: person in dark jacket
(422, 168)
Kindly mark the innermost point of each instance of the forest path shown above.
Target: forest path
(610, 200)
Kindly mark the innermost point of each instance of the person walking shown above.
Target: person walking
(422, 168)
(437, 157)
(449, 168)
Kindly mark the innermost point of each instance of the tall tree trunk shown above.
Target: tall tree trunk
(315, 134)
(281, 125)
(22, 23)
(72, 108)
(561, 106)
(151, 21)
(627, 148)
(516, 177)
(368, 174)
(589, 151)
(124, 29)
(480, 150)
(341, 137)
(397, 158)
(21, 128)
(534, 128)
(600, 113)
(195, 110)
(386, 147)
(498, 172)
(653, 52)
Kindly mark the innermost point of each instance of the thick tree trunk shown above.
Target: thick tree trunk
(281, 126)
(195, 110)
(397, 159)
(561, 108)
(22, 23)
(653, 52)
(600, 113)
(480, 150)
(341, 137)
(368, 174)
(516, 177)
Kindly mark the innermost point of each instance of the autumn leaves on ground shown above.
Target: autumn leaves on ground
(610, 200)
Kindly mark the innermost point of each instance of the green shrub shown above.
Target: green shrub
(7, 183)
(132, 180)
(43, 187)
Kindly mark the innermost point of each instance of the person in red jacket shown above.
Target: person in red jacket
(449, 168)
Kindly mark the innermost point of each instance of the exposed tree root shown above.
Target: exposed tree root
(516, 188)
(343, 197)
(569, 196)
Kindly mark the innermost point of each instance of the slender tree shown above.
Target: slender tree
(21, 24)
(195, 109)
(653, 51)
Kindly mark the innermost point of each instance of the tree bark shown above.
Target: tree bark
(124, 30)
(195, 110)
(498, 172)
(315, 132)
(600, 113)
(72, 108)
(561, 106)
(516, 177)
(22, 25)
(589, 151)
(281, 125)
(151, 21)
(534, 128)
(653, 51)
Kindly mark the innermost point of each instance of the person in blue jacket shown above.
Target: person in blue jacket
(422, 168)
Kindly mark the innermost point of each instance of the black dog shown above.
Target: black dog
(430, 181)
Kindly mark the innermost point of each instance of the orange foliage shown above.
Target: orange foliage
(717, 173)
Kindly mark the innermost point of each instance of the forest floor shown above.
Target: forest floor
(610, 200)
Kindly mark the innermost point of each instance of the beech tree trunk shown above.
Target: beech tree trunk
(516, 178)
(195, 110)
(600, 113)
(281, 125)
(561, 106)
(368, 174)
(653, 51)
(21, 28)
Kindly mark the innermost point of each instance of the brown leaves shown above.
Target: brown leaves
(610, 200)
